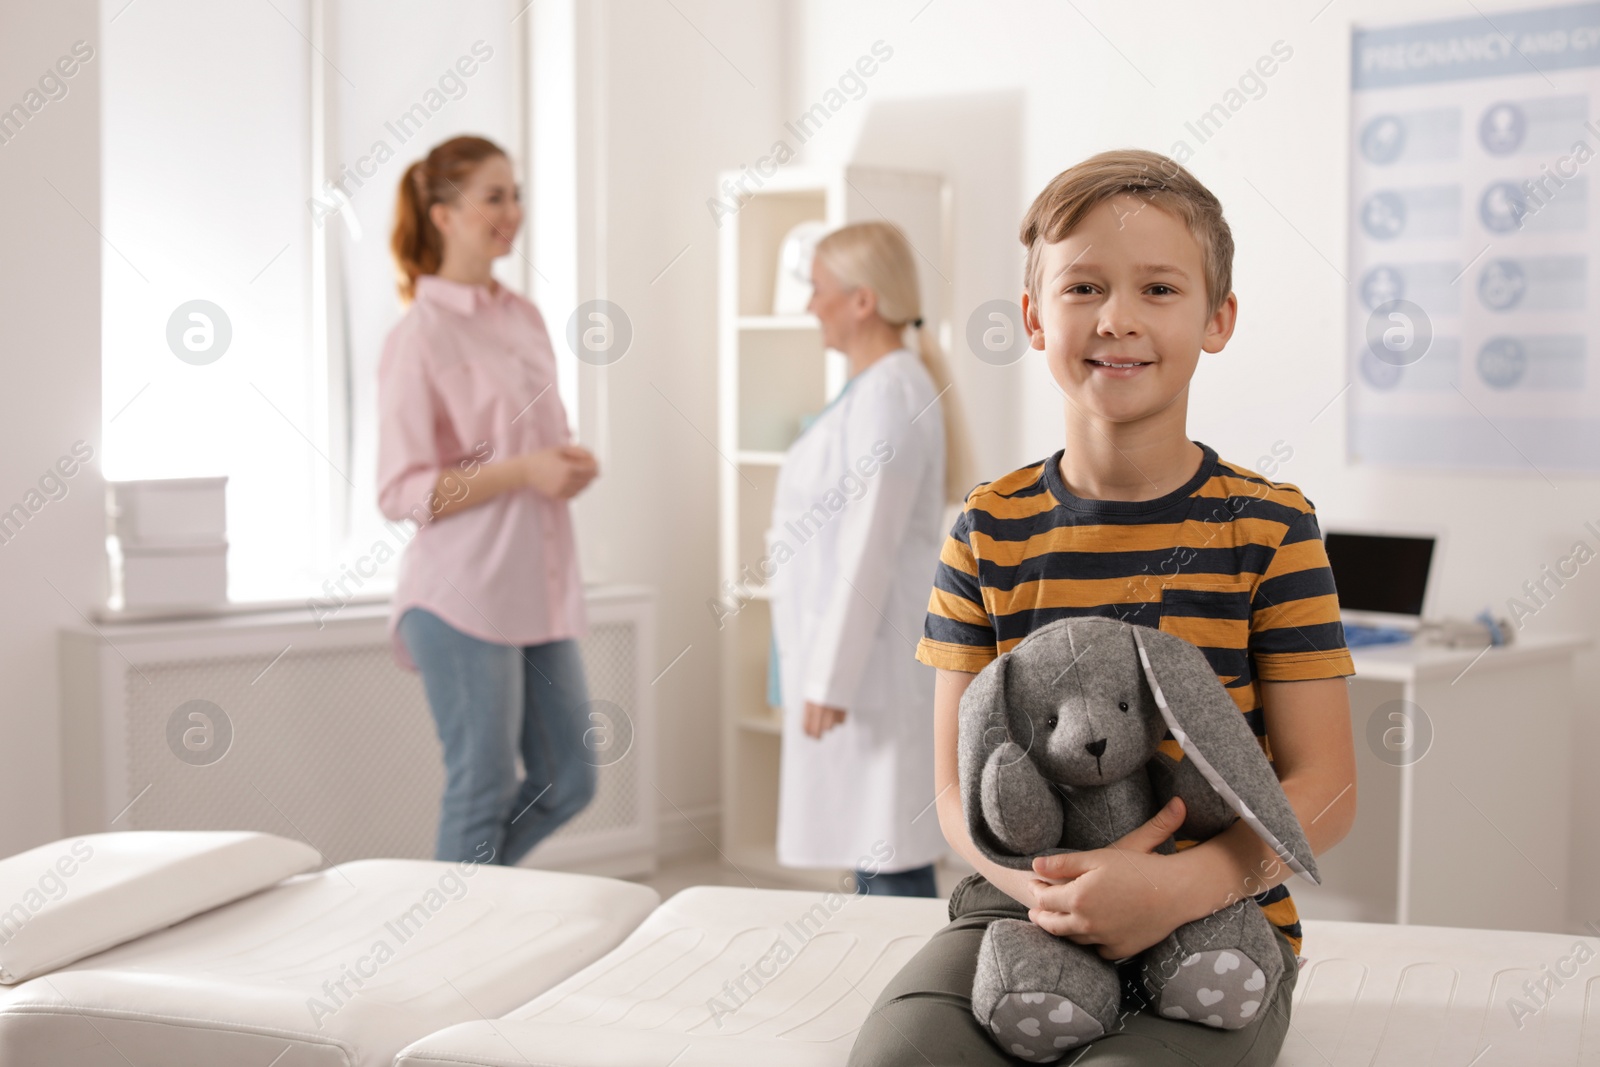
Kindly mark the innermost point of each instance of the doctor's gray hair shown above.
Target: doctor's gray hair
(878, 256)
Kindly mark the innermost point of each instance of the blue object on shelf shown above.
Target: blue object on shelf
(1357, 636)
(1497, 635)
(774, 692)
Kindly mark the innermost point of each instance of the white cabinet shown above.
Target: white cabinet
(772, 372)
(299, 723)
(1464, 792)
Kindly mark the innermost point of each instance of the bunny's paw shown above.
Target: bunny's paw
(1221, 988)
(1041, 1027)
(1041, 996)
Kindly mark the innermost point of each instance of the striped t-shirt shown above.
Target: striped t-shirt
(1230, 562)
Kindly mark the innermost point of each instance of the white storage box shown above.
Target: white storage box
(174, 575)
(167, 511)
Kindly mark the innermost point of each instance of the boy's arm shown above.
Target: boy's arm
(1314, 757)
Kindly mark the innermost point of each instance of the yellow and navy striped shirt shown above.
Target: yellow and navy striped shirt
(1230, 562)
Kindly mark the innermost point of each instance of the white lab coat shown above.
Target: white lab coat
(862, 534)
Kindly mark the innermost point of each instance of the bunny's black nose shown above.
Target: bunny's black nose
(1096, 748)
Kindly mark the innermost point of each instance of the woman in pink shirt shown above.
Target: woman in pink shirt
(474, 447)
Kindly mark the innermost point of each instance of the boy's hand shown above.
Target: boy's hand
(1121, 898)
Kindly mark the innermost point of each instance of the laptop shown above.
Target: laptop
(1383, 580)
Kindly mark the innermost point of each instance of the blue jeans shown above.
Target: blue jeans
(917, 882)
(489, 702)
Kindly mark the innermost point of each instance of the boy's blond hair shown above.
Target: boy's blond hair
(1152, 177)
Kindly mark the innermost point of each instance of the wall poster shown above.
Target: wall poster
(1473, 276)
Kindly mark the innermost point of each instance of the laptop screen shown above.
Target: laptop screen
(1380, 572)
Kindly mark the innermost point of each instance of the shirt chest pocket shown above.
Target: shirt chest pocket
(1216, 619)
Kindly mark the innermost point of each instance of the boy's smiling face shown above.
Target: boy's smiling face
(1122, 314)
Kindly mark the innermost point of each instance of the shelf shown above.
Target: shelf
(758, 482)
(770, 723)
(782, 380)
(778, 322)
(756, 237)
(775, 374)
(761, 591)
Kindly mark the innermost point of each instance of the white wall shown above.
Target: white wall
(50, 318)
(1121, 75)
(668, 95)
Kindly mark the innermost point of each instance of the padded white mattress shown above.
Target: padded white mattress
(736, 976)
(340, 968)
(1369, 995)
(1407, 996)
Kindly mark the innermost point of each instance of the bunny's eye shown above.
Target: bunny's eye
(1051, 722)
(1122, 705)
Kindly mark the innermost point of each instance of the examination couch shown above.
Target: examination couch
(158, 949)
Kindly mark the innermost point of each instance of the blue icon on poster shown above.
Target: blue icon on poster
(1502, 362)
(1383, 215)
(1383, 139)
(1502, 128)
(1381, 285)
(1502, 284)
(1502, 207)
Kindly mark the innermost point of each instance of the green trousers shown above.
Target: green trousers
(923, 1017)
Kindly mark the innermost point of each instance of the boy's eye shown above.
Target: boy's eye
(1162, 290)
(1051, 722)
(1081, 289)
(1122, 705)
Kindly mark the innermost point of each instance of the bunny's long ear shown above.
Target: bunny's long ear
(1208, 727)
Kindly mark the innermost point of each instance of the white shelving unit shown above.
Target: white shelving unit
(772, 370)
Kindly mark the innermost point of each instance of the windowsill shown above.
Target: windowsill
(107, 615)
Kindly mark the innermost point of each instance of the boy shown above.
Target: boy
(1128, 280)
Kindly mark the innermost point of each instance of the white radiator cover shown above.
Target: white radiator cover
(331, 743)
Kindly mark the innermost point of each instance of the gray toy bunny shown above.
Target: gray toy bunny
(1058, 752)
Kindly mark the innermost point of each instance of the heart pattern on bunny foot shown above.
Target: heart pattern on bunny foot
(1222, 988)
(1041, 1027)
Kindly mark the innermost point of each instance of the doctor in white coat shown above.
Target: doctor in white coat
(858, 519)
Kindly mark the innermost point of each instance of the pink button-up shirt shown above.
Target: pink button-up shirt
(466, 377)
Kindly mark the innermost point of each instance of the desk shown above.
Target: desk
(1464, 789)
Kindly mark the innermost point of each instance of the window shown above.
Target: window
(251, 153)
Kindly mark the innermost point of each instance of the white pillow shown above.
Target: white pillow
(70, 899)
